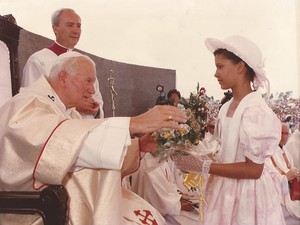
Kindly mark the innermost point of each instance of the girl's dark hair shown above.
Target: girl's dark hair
(235, 59)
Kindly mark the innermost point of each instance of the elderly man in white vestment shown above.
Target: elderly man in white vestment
(284, 170)
(293, 146)
(156, 182)
(44, 140)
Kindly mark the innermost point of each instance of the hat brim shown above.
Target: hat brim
(213, 44)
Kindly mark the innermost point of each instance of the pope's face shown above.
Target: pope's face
(79, 87)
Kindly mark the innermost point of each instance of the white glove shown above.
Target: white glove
(192, 164)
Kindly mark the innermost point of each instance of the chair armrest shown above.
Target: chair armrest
(51, 203)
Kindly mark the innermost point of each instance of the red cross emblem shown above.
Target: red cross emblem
(146, 217)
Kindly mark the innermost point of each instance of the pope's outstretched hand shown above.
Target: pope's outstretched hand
(158, 117)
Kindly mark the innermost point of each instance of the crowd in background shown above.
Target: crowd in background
(284, 106)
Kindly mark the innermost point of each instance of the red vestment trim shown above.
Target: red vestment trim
(57, 49)
(33, 181)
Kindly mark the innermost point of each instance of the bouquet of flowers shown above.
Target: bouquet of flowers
(187, 138)
(189, 135)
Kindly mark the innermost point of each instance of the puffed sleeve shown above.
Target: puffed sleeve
(260, 133)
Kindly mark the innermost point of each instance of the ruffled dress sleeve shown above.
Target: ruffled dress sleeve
(260, 133)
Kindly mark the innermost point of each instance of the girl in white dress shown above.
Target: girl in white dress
(240, 189)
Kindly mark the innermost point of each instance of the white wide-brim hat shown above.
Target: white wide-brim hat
(247, 51)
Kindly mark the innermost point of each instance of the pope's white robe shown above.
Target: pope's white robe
(293, 147)
(40, 143)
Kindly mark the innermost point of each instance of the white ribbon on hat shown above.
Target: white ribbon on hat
(260, 80)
